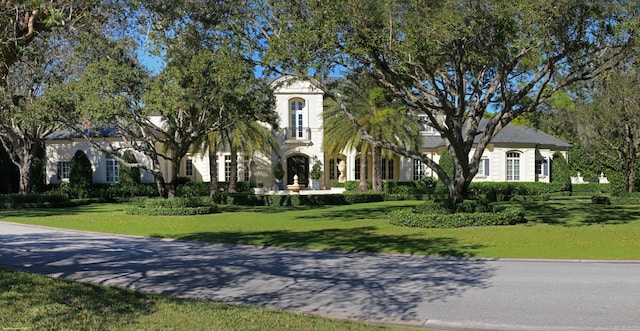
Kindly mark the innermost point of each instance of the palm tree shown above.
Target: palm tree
(249, 137)
(379, 115)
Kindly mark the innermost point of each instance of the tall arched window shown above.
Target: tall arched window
(513, 166)
(296, 113)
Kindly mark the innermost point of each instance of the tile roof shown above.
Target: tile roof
(510, 134)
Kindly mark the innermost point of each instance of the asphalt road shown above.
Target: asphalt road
(433, 292)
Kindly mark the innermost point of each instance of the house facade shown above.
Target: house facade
(517, 153)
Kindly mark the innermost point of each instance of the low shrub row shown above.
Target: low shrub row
(591, 188)
(626, 199)
(248, 199)
(417, 217)
(174, 207)
(13, 201)
(497, 192)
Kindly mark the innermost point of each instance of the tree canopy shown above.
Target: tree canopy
(452, 60)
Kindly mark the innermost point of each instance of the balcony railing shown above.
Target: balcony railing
(296, 133)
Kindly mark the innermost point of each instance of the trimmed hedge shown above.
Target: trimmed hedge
(277, 200)
(500, 191)
(411, 217)
(600, 200)
(14, 201)
(591, 188)
(174, 207)
(626, 199)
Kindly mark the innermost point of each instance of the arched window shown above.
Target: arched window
(513, 166)
(296, 113)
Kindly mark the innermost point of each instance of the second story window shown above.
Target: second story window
(296, 113)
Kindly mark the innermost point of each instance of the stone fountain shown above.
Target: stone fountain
(295, 187)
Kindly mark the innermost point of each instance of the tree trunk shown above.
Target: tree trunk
(162, 186)
(376, 181)
(362, 187)
(233, 177)
(213, 168)
(175, 170)
(25, 175)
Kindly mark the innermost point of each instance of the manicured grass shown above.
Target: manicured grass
(32, 302)
(554, 230)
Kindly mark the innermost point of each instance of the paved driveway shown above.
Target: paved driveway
(440, 293)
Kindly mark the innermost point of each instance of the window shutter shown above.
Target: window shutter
(486, 167)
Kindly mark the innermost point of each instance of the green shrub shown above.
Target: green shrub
(351, 185)
(591, 188)
(14, 201)
(560, 173)
(174, 207)
(80, 175)
(499, 216)
(626, 199)
(129, 175)
(351, 198)
(124, 192)
(526, 191)
(600, 200)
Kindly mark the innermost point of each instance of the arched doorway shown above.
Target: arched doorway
(298, 165)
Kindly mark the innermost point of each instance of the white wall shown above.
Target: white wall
(63, 150)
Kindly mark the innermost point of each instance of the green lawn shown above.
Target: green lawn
(554, 230)
(33, 302)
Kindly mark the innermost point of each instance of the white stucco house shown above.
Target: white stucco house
(517, 153)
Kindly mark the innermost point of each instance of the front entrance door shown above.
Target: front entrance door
(298, 165)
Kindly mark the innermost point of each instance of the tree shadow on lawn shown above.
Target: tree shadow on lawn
(46, 303)
(53, 211)
(362, 212)
(580, 214)
(361, 239)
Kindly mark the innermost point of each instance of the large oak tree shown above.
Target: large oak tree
(453, 60)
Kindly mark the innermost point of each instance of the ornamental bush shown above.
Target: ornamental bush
(13, 201)
(80, 175)
(411, 217)
(174, 207)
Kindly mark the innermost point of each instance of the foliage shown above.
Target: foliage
(173, 207)
(123, 192)
(441, 218)
(351, 185)
(446, 163)
(376, 110)
(506, 191)
(608, 126)
(81, 174)
(452, 61)
(14, 201)
(316, 171)
(600, 200)
(129, 175)
(591, 188)
(278, 171)
(626, 199)
(560, 171)
(38, 169)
